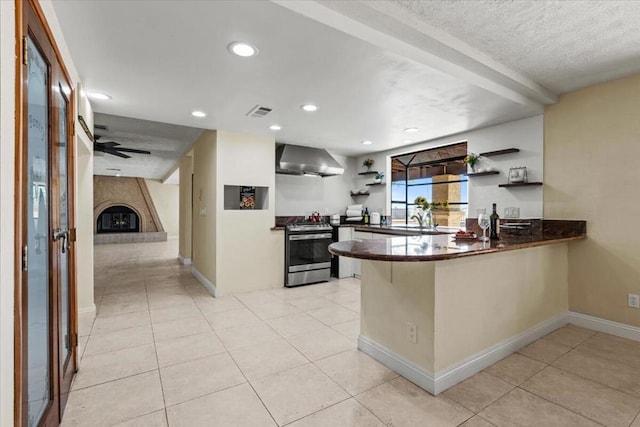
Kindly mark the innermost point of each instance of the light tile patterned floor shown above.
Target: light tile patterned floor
(163, 352)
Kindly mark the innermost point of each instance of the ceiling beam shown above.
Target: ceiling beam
(389, 26)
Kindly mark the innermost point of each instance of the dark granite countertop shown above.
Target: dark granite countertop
(440, 247)
(401, 230)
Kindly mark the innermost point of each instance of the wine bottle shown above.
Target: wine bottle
(494, 219)
(366, 215)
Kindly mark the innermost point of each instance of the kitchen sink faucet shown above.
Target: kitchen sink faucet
(425, 219)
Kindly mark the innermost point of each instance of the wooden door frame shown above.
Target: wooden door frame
(21, 19)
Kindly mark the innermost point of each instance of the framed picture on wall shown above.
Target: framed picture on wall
(247, 197)
(517, 175)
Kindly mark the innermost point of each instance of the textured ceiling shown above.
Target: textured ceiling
(373, 67)
(563, 45)
(167, 143)
(160, 60)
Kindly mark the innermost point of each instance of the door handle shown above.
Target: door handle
(61, 234)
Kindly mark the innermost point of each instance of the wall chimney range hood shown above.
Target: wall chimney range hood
(298, 160)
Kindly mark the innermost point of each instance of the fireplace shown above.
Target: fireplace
(124, 211)
(118, 219)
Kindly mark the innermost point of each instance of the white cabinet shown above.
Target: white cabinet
(345, 264)
(350, 267)
(356, 263)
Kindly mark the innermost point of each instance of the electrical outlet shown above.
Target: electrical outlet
(412, 332)
(634, 300)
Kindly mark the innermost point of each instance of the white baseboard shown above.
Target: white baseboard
(454, 374)
(87, 310)
(183, 260)
(414, 373)
(437, 383)
(602, 325)
(205, 282)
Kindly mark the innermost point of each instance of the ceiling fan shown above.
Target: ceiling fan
(112, 147)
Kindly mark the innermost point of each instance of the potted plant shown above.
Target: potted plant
(367, 163)
(471, 161)
(378, 178)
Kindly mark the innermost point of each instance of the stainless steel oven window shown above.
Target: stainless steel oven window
(308, 249)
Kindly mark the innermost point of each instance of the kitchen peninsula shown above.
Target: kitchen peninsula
(437, 310)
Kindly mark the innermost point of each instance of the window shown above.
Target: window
(439, 175)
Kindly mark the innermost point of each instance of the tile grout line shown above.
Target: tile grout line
(155, 349)
(559, 405)
(636, 397)
(238, 367)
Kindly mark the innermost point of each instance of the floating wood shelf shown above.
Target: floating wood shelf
(369, 173)
(500, 152)
(359, 194)
(520, 184)
(375, 183)
(484, 173)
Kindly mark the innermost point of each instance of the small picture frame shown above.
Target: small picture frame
(518, 175)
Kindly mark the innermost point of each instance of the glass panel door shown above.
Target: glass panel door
(38, 344)
(63, 230)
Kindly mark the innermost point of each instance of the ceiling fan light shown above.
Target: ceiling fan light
(99, 96)
(243, 49)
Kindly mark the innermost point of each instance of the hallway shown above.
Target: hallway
(163, 352)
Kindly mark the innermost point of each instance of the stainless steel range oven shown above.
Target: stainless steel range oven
(307, 254)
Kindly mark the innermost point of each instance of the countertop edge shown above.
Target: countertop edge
(444, 257)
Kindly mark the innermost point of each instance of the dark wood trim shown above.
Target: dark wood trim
(369, 173)
(443, 162)
(45, 25)
(483, 173)
(26, 12)
(19, 223)
(520, 184)
(500, 152)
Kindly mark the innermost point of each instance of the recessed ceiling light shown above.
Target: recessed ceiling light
(275, 127)
(309, 107)
(99, 96)
(199, 114)
(411, 130)
(367, 142)
(117, 174)
(243, 49)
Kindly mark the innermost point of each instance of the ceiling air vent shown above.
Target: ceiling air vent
(259, 111)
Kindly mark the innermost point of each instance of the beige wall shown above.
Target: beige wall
(592, 147)
(250, 255)
(484, 300)
(85, 227)
(166, 200)
(394, 294)
(204, 205)
(185, 214)
(462, 306)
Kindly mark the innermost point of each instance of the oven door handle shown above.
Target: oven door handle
(310, 236)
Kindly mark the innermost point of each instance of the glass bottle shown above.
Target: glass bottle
(494, 219)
